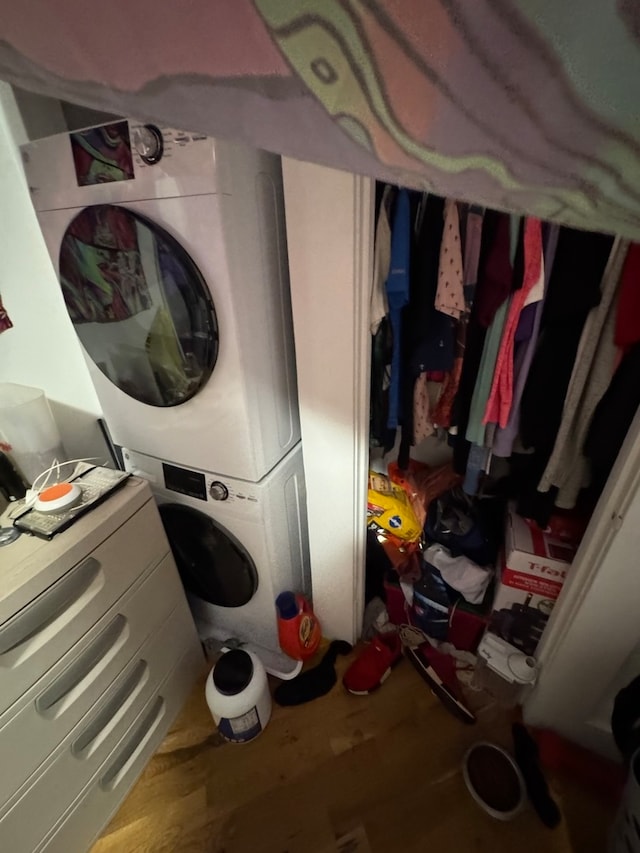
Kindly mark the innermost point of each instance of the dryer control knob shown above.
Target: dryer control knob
(148, 142)
(218, 491)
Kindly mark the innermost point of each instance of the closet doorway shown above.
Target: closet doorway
(584, 658)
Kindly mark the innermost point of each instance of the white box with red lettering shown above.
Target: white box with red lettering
(534, 568)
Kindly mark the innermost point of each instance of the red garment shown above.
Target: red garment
(498, 406)
(442, 412)
(628, 316)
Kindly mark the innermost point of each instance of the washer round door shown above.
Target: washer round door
(212, 563)
(139, 304)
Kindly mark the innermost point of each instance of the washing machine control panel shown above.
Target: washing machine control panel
(218, 491)
(192, 484)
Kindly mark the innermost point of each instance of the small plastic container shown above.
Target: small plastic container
(238, 696)
(503, 670)
(28, 429)
(299, 631)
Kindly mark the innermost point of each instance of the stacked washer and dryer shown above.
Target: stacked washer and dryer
(171, 253)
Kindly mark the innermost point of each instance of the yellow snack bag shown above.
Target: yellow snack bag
(389, 509)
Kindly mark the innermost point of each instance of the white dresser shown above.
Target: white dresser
(98, 653)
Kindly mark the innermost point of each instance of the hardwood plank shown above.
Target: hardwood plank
(343, 774)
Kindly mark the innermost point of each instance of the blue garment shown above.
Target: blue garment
(476, 467)
(397, 288)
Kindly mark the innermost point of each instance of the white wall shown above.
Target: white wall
(330, 242)
(42, 349)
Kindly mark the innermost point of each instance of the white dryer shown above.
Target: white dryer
(171, 252)
(237, 545)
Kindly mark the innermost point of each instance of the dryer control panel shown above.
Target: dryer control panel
(124, 161)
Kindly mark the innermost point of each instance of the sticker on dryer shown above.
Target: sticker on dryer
(102, 154)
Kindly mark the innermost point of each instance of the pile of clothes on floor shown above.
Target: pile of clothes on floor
(455, 575)
(432, 552)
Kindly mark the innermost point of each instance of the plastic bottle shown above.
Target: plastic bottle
(299, 631)
(238, 697)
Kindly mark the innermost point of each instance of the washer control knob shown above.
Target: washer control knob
(148, 143)
(218, 491)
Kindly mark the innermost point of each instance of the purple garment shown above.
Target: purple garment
(526, 323)
(504, 437)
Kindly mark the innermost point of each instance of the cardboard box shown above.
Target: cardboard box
(532, 572)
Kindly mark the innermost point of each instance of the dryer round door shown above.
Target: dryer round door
(212, 563)
(139, 304)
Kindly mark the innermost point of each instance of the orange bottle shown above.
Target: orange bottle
(299, 631)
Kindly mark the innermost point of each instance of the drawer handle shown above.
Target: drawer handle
(105, 645)
(47, 607)
(120, 701)
(139, 738)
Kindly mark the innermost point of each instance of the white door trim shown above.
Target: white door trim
(622, 488)
(559, 700)
(330, 245)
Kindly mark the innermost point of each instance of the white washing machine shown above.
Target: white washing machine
(171, 252)
(237, 545)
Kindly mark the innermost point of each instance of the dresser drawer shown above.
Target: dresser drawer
(35, 725)
(101, 798)
(39, 634)
(134, 712)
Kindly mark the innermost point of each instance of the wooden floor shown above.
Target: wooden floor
(343, 774)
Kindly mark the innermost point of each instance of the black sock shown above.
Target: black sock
(314, 682)
(526, 750)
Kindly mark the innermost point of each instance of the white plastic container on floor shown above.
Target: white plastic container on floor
(503, 671)
(238, 696)
(28, 427)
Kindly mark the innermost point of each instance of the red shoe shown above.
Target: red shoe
(373, 665)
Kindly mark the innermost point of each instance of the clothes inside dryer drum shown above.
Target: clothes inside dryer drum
(139, 304)
(213, 565)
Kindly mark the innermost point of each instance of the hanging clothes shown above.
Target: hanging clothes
(574, 289)
(425, 397)
(628, 318)
(379, 306)
(472, 222)
(497, 273)
(476, 428)
(397, 288)
(612, 418)
(493, 232)
(499, 280)
(381, 354)
(450, 293)
(567, 468)
(477, 464)
(498, 406)
(527, 339)
(428, 334)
